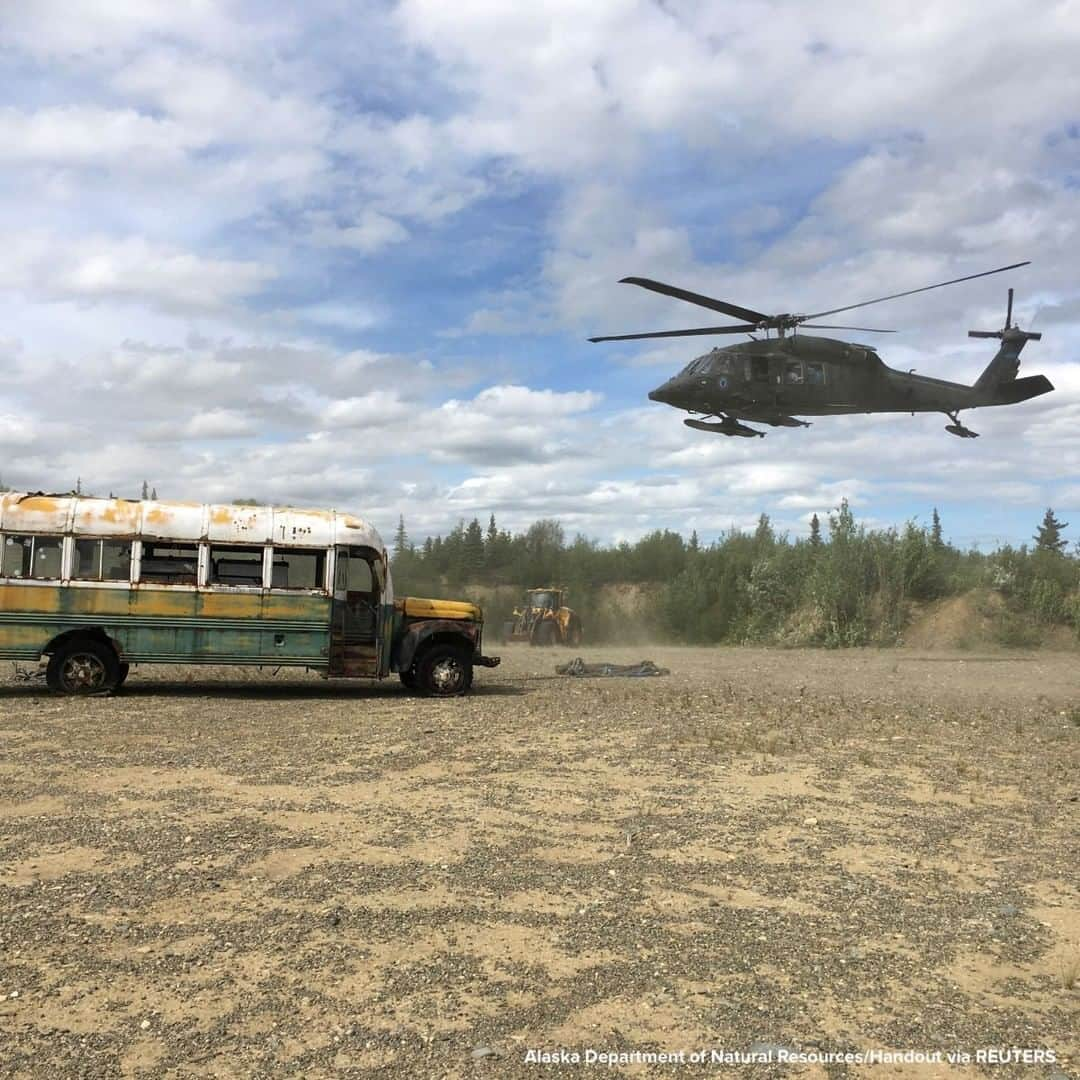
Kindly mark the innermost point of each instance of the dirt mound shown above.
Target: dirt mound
(967, 621)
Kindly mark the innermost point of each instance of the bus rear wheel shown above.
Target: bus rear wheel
(443, 671)
(83, 666)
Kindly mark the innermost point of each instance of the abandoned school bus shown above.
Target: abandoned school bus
(96, 585)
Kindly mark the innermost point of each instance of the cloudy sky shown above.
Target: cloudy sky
(348, 253)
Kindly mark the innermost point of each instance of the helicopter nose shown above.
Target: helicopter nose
(662, 393)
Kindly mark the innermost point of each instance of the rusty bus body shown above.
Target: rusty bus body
(95, 585)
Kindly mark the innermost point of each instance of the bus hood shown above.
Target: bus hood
(415, 608)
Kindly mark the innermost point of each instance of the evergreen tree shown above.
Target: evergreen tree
(815, 531)
(935, 531)
(145, 490)
(694, 546)
(401, 538)
(153, 494)
(1049, 537)
(472, 553)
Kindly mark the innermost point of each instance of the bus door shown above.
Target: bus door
(354, 626)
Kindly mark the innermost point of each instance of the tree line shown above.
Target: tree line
(844, 584)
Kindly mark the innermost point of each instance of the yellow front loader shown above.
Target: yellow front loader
(544, 619)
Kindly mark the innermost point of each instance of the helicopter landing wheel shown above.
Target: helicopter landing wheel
(958, 429)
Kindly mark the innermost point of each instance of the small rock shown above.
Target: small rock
(484, 1052)
(145, 1025)
(811, 821)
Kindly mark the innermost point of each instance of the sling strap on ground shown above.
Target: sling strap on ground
(579, 668)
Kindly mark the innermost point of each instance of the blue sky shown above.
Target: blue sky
(348, 254)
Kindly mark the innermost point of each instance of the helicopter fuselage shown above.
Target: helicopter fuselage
(771, 380)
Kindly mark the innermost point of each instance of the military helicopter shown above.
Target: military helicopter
(769, 379)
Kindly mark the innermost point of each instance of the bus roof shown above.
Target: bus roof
(35, 512)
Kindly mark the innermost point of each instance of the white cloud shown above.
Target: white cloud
(89, 135)
(131, 269)
(372, 232)
(381, 408)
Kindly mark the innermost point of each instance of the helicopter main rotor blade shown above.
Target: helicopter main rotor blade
(911, 292)
(747, 328)
(829, 326)
(696, 298)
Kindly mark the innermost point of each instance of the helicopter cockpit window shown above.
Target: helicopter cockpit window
(793, 373)
(698, 366)
(815, 374)
(722, 365)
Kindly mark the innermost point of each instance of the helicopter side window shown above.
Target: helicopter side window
(759, 368)
(815, 374)
(721, 365)
(793, 374)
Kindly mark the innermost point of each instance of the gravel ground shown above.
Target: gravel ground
(212, 874)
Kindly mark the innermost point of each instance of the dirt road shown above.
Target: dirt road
(820, 852)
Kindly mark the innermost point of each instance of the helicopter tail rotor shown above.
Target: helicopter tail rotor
(1009, 330)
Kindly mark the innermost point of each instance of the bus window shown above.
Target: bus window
(298, 568)
(168, 563)
(236, 566)
(353, 572)
(31, 557)
(102, 560)
(115, 560)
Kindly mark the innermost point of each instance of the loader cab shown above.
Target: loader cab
(546, 599)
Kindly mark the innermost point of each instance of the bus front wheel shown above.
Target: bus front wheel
(443, 671)
(83, 666)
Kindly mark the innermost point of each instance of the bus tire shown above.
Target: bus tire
(83, 665)
(443, 671)
(122, 671)
(408, 679)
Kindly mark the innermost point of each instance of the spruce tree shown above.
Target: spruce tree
(401, 537)
(1049, 537)
(473, 550)
(815, 531)
(935, 531)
